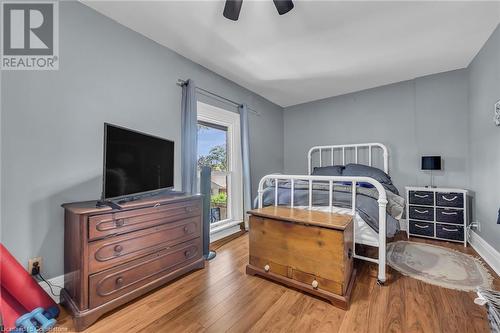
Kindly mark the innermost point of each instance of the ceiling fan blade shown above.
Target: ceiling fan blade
(283, 6)
(232, 9)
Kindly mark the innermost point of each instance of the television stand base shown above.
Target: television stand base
(114, 205)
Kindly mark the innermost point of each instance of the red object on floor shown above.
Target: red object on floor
(21, 285)
(10, 309)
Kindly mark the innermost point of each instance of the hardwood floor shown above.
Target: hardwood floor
(222, 298)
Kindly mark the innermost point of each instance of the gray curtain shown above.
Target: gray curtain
(189, 143)
(245, 152)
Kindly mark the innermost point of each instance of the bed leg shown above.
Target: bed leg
(382, 203)
(381, 278)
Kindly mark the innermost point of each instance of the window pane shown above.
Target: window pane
(212, 152)
(218, 200)
(212, 147)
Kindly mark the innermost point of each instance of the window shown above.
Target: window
(219, 147)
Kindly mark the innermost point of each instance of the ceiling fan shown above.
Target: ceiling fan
(232, 8)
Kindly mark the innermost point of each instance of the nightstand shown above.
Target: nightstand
(437, 213)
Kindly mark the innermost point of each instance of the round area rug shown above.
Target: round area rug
(438, 265)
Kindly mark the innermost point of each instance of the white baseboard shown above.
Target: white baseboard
(55, 281)
(486, 251)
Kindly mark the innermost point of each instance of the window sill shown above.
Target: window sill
(226, 225)
(224, 233)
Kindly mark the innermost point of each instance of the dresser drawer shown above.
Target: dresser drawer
(452, 232)
(421, 228)
(450, 199)
(113, 251)
(421, 198)
(421, 213)
(104, 225)
(110, 284)
(450, 215)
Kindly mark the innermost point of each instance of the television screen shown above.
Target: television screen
(431, 162)
(135, 162)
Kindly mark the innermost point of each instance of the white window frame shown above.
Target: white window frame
(230, 120)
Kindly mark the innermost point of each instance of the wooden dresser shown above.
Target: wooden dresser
(304, 249)
(113, 256)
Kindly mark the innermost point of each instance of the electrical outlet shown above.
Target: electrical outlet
(476, 225)
(35, 265)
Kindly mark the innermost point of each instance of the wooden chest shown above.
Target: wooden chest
(113, 256)
(303, 249)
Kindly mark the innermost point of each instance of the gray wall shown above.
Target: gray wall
(427, 115)
(52, 124)
(484, 83)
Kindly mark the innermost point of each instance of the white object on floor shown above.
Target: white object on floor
(490, 298)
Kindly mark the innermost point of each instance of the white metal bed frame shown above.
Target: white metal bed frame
(382, 200)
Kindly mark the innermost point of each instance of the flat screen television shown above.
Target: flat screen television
(135, 164)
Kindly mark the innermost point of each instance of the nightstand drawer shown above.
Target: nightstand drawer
(451, 199)
(452, 232)
(450, 215)
(421, 198)
(421, 213)
(421, 228)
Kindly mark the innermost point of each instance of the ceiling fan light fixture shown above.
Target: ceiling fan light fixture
(283, 6)
(232, 9)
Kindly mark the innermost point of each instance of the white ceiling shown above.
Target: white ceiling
(320, 48)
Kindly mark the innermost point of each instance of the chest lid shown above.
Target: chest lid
(304, 216)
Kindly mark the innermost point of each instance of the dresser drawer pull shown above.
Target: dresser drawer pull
(421, 226)
(118, 248)
(446, 229)
(449, 213)
(157, 205)
(421, 196)
(119, 223)
(267, 268)
(186, 229)
(119, 281)
(187, 253)
(452, 199)
(421, 211)
(188, 209)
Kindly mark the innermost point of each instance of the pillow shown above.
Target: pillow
(388, 187)
(331, 170)
(366, 185)
(366, 171)
(359, 184)
(391, 188)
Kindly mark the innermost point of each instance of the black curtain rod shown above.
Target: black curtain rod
(208, 93)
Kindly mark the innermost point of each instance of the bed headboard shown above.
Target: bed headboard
(343, 149)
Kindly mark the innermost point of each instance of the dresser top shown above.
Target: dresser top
(304, 216)
(90, 207)
(435, 189)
